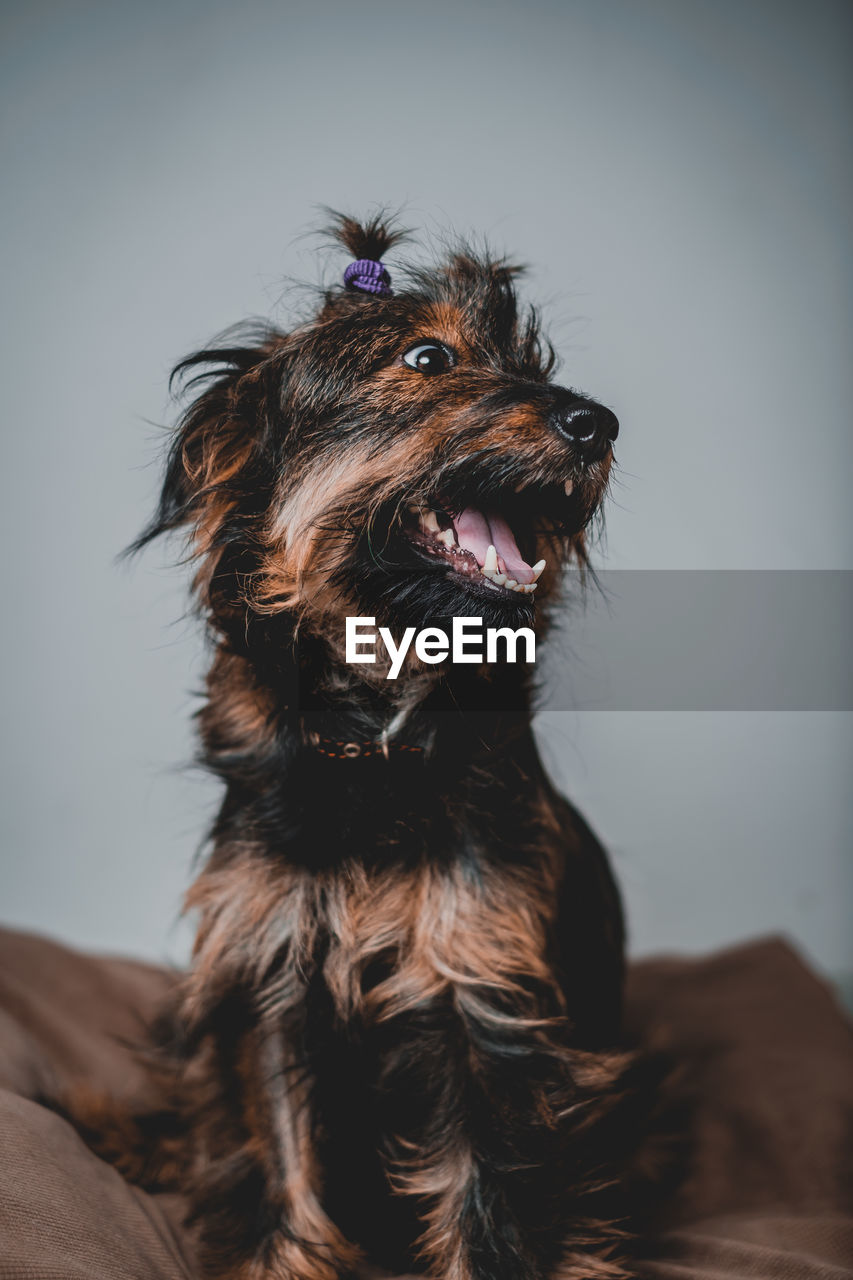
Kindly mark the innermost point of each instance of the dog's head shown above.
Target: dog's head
(402, 454)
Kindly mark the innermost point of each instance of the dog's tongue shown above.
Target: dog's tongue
(476, 530)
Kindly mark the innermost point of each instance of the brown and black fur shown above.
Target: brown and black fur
(397, 1038)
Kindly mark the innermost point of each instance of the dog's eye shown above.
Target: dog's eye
(429, 357)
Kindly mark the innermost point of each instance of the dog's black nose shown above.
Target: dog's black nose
(589, 427)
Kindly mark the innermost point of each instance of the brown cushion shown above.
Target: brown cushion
(765, 1069)
(63, 1212)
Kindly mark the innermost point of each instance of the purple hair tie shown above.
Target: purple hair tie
(368, 276)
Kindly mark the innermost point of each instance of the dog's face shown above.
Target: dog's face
(406, 457)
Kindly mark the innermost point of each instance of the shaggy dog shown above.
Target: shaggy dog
(396, 1040)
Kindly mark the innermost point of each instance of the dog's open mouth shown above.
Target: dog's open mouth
(477, 544)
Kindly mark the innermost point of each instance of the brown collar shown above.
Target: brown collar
(355, 750)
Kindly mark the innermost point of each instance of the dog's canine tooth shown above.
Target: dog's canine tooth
(537, 569)
(490, 563)
(429, 522)
(569, 487)
(447, 537)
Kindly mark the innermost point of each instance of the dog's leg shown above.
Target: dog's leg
(256, 1182)
(257, 1186)
(492, 1122)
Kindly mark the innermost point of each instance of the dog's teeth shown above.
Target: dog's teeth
(537, 569)
(499, 578)
(569, 487)
(430, 522)
(447, 537)
(511, 583)
(490, 563)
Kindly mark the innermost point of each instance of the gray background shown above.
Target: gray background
(676, 172)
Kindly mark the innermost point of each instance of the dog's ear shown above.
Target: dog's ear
(218, 468)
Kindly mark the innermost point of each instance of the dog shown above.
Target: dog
(399, 1037)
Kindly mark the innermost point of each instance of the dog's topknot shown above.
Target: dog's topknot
(369, 239)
